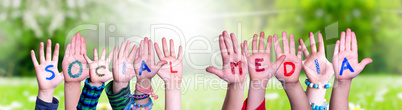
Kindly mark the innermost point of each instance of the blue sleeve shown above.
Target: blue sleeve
(42, 105)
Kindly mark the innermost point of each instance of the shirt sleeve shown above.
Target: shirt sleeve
(42, 105)
(260, 107)
(118, 100)
(89, 96)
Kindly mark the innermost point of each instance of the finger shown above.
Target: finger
(83, 46)
(261, 43)
(180, 53)
(269, 44)
(342, 43)
(78, 44)
(48, 50)
(127, 49)
(103, 55)
(121, 52)
(285, 43)
(292, 44)
(277, 47)
(172, 53)
(222, 46)
(348, 39)
(132, 53)
(34, 61)
(336, 50)
(299, 52)
(254, 49)
(158, 51)
(95, 54)
(320, 43)
(354, 42)
(145, 47)
(87, 59)
(215, 71)
(236, 48)
(41, 53)
(304, 48)
(73, 41)
(115, 55)
(56, 53)
(279, 62)
(228, 43)
(164, 46)
(245, 47)
(313, 47)
(109, 58)
(160, 64)
(364, 62)
(137, 54)
(141, 48)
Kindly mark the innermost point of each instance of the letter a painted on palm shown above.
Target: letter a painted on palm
(345, 65)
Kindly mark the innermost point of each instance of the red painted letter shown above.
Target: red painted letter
(257, 64)
(233, 65)
(171, 69)
(293, 68)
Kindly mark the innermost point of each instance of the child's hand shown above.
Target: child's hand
(99, 68)
(345, 54)
(316, 74)
(123, 69)
(74, 64)
(292, 62)
(172, 72)
(260, 65)
(47, 74)
(235, 67)
(145, 53)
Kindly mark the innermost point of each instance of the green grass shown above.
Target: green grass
(207, 92)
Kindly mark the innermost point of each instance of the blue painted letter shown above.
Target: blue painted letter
(47, 69)
(144, 67)
(347, 66)
(317, 66)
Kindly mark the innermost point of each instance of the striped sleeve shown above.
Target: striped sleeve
(117, 100)
(89, 96)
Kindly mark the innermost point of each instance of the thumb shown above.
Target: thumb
(215, 71)
(279, 62)
(364, 62)
(161, 63)
(86, 58)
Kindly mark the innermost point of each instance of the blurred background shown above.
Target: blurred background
(196, 25)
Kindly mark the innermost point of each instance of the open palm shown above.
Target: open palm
(232, 59)
(321, 73)
(123, 69)
(74, 64)
(266, 68)
(346, 51)
(47, 74)
(292, 74)
(146, 54)
(173, 71)
(99, 68)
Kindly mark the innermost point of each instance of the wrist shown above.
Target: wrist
(259, 84)
(46, 95)
(146, 83)
(316, 96)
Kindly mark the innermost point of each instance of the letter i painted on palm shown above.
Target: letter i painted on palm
(317, 66)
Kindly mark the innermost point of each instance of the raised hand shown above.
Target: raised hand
(260, 65)
(74, 64)
(293, 63)
(47, 74)
(171, 72)
(235, 67)
(144, 63)
(123, 69)
(318, 69)
(99, 68)
(345, 60)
